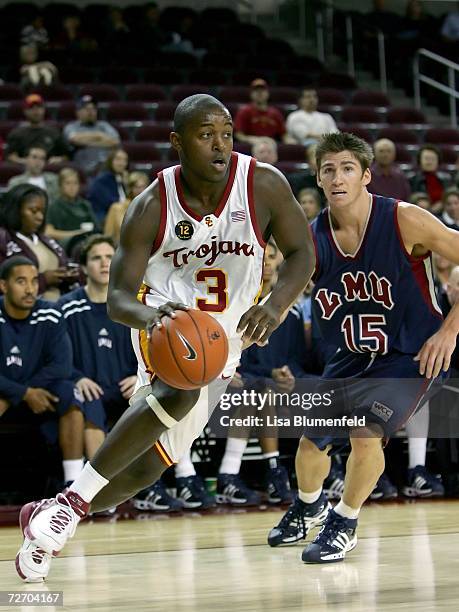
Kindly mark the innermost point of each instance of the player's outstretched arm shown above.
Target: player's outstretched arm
(279, 214)
(422, 232)
(138, 233)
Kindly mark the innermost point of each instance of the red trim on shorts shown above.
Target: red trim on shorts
(162, 454)
(162, 222)
(223, 199)
(251, 199)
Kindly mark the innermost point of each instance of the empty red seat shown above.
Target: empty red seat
(101, 93)
(331, 96)
(10, 91)
(399, 135)
(158, 132)
(360, 114)
(363, 97)
(404, 156)
(66, 111)
(6, 127)
(141, 151)
(449, 154)
(126, 111)
(235, 93)
(442, 136)
(357, 130)
(284, 95)
(291, 152)
(144, 93)
(8, 170)
(179, 92)
(405, 115)
(165, 111)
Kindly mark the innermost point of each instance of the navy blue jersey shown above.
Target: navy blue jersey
(379, 299)
(35, 352)
(102, 348)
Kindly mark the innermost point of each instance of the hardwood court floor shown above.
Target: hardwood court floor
(407, 559)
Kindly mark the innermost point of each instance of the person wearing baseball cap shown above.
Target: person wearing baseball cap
(91, 139)
(34, 132)
(257, 119)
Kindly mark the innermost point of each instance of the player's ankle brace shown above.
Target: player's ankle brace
(159, 411)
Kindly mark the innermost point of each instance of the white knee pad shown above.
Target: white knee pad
(159, 411)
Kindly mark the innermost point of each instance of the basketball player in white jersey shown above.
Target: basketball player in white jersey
(194, 238)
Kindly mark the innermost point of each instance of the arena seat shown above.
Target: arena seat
(7, 170)
(10, 91)
(165, 111)
(406, 115)
(101, 93)
(291, 152)
(442, 136)
(360, 114)
(66, 111)
(179, 92)
(126, 111)
(363, 97)
(331, 96)
(358, 130)
(144, 93)
(153, 131)
(141, 151)
(399, 135)
(283, 95)
(235, 93)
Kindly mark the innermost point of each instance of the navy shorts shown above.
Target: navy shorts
(104, 412)
(385, 389)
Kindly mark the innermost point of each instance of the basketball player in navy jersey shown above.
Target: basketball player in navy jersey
(374, 299)
(202, 191)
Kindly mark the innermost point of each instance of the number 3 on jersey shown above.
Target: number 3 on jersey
(216, 286)
(369, 337)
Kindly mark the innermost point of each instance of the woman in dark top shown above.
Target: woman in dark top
(110, 185)
(22, 220)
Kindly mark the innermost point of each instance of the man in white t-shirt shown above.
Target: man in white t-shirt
(35, 161)
(307, 124)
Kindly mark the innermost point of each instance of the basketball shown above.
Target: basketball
(189, 351)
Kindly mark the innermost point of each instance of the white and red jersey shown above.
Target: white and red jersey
(213, 262)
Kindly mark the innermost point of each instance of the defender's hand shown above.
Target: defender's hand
(165, 310)
(435, 354)
(258, 324)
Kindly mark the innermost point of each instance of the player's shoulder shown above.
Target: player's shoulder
(45, 313)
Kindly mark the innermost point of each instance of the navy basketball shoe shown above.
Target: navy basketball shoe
(422, 483)
(156, 499)
(192, 493)
(233, 491)
(384, 489)
(336, 538)
(334, 483)
(278, 486)
(298, 520)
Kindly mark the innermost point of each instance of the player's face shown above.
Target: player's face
(32, 214)
(98, 263)
(206, 144)
(21, 288)
(342, 179)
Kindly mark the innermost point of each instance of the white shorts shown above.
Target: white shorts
(177, 440)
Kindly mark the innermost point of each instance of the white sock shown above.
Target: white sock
(72, 468)
(272, 459)
(417, 430)
(344, 510)
(231, 462)
(309, 498)
(88, 483)
(185, 467)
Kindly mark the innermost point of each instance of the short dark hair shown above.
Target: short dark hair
(11, 204)
(41, 147)
(92, 241)
(336, 142)
(109, 161)
(428, 147)
(7, 267)
(450, 191)
(192, 105)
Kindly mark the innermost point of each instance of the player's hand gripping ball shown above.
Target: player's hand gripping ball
(189, 350)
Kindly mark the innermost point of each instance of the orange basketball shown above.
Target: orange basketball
(189, 351)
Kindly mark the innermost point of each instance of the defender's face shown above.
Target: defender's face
(206, 144)
(21, 288)
(341, 177)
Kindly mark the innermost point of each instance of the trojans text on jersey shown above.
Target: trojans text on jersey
(210, 251)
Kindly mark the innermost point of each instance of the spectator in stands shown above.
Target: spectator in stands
(386, 178)
(35, 161)
(258, 118)
(421, 199)
(22, 221)
(35, 72)
(90, 138)
(35, 32)
(382, 19)
(152, 35)
(429, 178)
(36, 364)
(450, 27)
(136, 183)
(307, 124)
(35, 132)
(69, 215)
(309, 200)
(117, 35)
(104, 363)
(442, 269)
(450, 214)
(416, 22)
(73, 39)
(265, 150)
(110, 185)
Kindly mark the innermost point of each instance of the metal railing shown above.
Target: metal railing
(449, 89)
